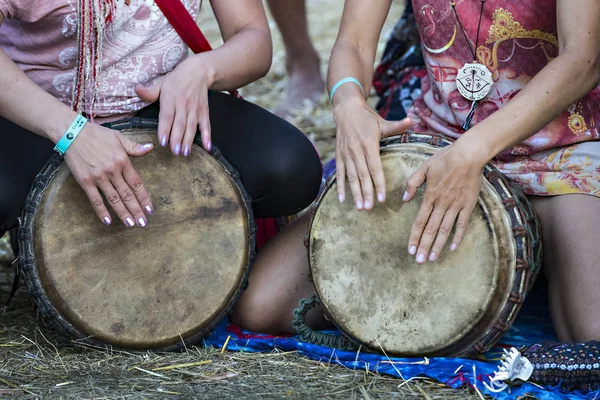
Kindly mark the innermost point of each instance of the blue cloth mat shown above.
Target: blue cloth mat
(532, 326)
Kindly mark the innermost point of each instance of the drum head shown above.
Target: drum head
(377, 293)
(150, 287)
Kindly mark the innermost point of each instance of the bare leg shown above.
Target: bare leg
(303, 64)
(278, 281)
(571, 253)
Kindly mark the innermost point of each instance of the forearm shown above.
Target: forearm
(27, 105)
(348, 61)
(353, 54)
(243, 59)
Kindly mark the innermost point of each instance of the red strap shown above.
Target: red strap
(185, 26)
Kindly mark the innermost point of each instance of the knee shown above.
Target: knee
(256, 315)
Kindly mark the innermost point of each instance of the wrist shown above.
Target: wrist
(348, 97)
(56, 128)
(199, 67)
(475, 150)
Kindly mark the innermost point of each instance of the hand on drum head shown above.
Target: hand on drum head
(453, 179)
(359, 131)
(183, 95)
(99, 161)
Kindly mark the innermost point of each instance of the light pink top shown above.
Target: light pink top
(40, 36)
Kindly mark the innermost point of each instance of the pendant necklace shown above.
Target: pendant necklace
(474, 80)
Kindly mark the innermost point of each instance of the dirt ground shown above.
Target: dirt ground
(35, 362)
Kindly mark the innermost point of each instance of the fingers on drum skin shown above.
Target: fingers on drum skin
(205, 128)
(354, 182)
(97, 203)
(443, 234)
(376, 171)
(166, 117)
(426, 226)
(340, 173)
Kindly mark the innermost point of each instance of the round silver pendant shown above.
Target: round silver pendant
(474, 81)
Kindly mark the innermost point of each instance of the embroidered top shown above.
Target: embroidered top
(138, 45)
(517, 39)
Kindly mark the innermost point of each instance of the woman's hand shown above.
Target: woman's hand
(99, 161)
(183, 95)
(359, 131)
(454, 178)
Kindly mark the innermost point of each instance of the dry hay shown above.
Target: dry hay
(36, 362)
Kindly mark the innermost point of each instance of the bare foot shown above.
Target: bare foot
(305, 83)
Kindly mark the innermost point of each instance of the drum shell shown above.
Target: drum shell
(526, 240)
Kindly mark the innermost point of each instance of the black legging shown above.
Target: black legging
(278, 165)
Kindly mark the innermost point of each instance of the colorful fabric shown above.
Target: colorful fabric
(137, 45)
(517, 40)
(532, 326)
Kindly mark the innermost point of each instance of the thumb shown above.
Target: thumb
(414, 182)
(391, 128)
(135, 149)
(149, 91)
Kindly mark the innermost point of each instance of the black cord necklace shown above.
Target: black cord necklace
(474, 80)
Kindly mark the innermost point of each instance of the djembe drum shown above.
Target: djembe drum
(380, 298)
(161, 287)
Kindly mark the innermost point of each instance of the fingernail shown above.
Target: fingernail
(209, 146)
(130, 222)
(177, 148)
(368, 205)
(421, 258)
(380, 197)
(453, 247)
(148, 209)
(413, 250)
(405, 197)
(341, 198)
(186, 151)
(147, 146)
(141, 222)
(163, 141)
(432, 257)
(359, 205)
(106, 220)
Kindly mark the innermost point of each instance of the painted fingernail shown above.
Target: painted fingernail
(380, 197)
(177, 148)
(453, 247)
(186, 151)
(130, 222)
(413, 250)
(432, 257)
(141, 222)
(148, 210)
(359, 205)
(341, 198)
(107, 220)
(367, 205)
(209, 146)
(147, 146)
(405, 197)
(163, 141)
(421, 258)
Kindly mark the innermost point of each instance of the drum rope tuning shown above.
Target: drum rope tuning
(310, 335)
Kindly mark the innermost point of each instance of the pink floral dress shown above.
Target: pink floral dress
(517, 39)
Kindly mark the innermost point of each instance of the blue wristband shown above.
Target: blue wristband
(341, 82)
(70, 135)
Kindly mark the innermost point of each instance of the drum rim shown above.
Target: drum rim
(27, 259)
(524, 275)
